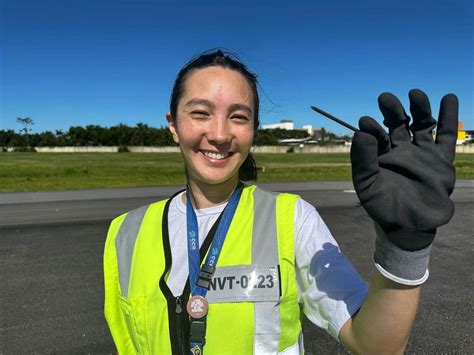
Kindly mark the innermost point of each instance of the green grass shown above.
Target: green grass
(62, 171)
(304, 167)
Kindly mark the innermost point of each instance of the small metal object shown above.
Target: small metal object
(338, 120)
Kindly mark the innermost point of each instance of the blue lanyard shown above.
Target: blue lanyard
(216, 246)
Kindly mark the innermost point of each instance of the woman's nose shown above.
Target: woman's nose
(219, 131)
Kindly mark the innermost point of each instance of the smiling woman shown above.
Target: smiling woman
(225, 267)
(244, 298)
(247, 85)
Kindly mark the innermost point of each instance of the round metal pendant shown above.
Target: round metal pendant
(197, 307)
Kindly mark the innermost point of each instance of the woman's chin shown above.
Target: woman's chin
(218, 179)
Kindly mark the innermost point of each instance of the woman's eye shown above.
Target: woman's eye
(240, 118)
(199, 114)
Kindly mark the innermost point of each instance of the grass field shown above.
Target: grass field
(63, 171)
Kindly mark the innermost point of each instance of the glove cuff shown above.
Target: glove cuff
(401, 266)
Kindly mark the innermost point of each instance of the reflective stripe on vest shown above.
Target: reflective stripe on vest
(125, 243)
(265, 252)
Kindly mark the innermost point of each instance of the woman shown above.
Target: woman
(253, 258)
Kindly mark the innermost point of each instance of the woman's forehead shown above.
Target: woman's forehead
(216, 84)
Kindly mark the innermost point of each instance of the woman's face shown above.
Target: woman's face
(214, 125)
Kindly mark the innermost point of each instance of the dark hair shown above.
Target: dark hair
(218, 58)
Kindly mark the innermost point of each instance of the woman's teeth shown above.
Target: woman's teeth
(216, 156)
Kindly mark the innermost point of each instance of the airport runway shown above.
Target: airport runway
(51, 244)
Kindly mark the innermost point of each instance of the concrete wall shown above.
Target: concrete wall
(269, 149)
(304, 149)
(261, 149)
(77, 149)
(154, 149)
(104, 149)
(468, 149)
(465, 149)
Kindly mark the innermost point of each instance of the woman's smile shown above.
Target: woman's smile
(214, 126)
(213, 156)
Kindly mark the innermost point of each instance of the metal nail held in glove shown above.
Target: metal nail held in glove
(338, 120)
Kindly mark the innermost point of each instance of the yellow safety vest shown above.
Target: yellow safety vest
(253, 301)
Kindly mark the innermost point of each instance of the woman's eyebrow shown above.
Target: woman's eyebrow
(203, 102)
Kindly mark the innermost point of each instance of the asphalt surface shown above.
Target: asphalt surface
(51, 284)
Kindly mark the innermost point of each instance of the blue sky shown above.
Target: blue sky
(105, 62)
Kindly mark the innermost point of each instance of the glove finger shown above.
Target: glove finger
(423, 121)
(446, 134)
(369, 125)
(395, 118)
(364, 159)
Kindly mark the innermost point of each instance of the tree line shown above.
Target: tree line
(119, 135)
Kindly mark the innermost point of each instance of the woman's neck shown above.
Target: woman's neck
(204, 195)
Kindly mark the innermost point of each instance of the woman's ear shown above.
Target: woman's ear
(172, 127)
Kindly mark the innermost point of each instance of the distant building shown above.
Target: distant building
(284, 124)
(463, 136)
(315, 135)
(309, 128)
(294, 141)
(469, 136)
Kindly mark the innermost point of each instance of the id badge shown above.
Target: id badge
(245, 283)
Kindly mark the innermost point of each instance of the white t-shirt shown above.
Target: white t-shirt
(329, 288)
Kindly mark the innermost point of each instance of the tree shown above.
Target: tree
(46, 139)
(140, 134)
(7, 137)
(26, 123)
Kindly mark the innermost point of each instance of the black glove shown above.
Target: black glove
(404, 179)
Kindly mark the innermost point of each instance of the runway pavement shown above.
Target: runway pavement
(51, 244)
